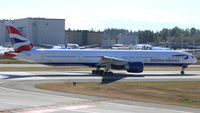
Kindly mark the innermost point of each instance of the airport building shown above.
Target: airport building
(123, 41)
(84, 37)
(3, 33)
(39, 31)
(45, 32)
(48, 32)
(128, 40)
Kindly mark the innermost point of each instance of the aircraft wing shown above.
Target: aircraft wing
(105, 60)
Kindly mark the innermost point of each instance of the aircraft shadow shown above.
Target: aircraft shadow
(118, 76)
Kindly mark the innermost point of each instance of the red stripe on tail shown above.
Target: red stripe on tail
(24, 48)
(13, 30)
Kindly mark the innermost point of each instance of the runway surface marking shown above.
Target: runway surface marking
(150, 108)
(95, 109)
(49, 110)
(30, 92)
(3, 76)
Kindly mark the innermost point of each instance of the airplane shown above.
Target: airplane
(133, 61)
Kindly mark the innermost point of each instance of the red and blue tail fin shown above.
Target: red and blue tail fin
(19, 41)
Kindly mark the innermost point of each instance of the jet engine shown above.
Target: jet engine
(134, 67)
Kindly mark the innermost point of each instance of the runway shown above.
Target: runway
(18, 94)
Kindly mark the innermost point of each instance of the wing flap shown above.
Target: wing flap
(112, 60)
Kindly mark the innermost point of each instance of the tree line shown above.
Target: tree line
(174, 35)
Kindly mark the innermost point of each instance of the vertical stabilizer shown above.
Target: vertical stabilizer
(19, 41)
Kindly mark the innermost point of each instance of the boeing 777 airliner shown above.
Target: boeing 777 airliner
(131, 60)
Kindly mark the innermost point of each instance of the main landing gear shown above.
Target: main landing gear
(102, 72)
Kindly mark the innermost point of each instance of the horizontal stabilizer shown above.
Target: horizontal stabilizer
(12, 54)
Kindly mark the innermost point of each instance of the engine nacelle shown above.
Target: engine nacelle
(134, 67)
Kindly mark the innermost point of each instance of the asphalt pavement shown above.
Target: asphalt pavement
(18, 94)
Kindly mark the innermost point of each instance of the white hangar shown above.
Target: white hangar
(39, 31)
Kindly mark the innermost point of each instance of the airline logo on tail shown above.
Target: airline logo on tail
(20, 42)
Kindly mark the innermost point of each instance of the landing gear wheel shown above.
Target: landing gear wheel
(101, 72)
(183, 68)
(110, 73)
(94, 71)
(182, 72)
(98, 72)
(105, 73)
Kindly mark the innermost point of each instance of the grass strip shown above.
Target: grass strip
(181, 93)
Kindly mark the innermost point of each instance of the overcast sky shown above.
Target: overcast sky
(101, 14)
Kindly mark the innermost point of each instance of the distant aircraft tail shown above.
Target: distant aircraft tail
(19, 41)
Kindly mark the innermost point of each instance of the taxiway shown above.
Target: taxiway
(18, 94)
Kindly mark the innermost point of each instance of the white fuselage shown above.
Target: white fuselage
(91, 57)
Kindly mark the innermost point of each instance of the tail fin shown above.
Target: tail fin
(19, 41)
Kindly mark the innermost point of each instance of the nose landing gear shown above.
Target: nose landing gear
(182, 72)
(183, 68)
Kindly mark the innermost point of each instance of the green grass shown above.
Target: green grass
(198, 62)
(182, 93)
(190, 101)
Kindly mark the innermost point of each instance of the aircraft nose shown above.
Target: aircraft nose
(195, 60)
